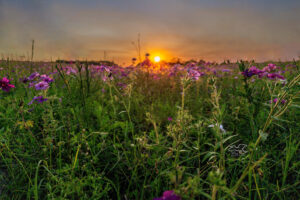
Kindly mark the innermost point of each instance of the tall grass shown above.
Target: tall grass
(96, 139)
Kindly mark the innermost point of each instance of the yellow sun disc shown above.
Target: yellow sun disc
(156, 58)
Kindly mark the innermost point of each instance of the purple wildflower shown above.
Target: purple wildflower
(46, 78)
(4, 84)
(33, 76)
(262, 74)
(275, 75)
(283, 101)
(42, 85)
(195, 74)
(251, 72)
(168, 195)
(70, 70)
(32, 84)
(248, 73)
(170, 118)
(270, 67)
(38, 99)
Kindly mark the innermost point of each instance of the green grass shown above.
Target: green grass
(95, 140)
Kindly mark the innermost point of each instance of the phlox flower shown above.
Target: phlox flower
(46, 78)
(275, 76)
(33, 76)
(42, 85)
(5, 85)
(251, 72)
(270, 67)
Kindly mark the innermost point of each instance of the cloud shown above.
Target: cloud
(187, 29)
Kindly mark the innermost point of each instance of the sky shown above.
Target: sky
(213, 30)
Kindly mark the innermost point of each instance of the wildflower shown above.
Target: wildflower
(42, 85)
(283, 101)
(38, 99)
(270, 67)
(251, 72)
(46, 78)
(168, 195)
(262, 74)
(70, 70)
(4, 84)
(170, 119)
(32, 84)
(247, 73)
(195, 74)
(33, 76)
(274, 76)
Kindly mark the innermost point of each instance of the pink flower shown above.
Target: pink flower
(42, 85)
(46, 78)
(4, 84)
(270, 67)
(33, 76)
(275, 75)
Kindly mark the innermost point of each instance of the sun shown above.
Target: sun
(156, 58)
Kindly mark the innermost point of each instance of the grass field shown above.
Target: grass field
(195, 130)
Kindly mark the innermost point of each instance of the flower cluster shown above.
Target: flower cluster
(195, 74)
(268, 71)
(270, 67)
(5, 85)
(252, 71)
(40, 82)
(69, 70)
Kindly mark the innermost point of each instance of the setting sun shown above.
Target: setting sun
(156, 58)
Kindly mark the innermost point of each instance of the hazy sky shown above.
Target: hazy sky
(207, 29)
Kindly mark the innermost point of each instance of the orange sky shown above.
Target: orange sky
(189, 29)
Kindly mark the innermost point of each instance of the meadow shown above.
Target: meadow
(194, 130)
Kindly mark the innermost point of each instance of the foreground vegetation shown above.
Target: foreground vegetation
(201, 130)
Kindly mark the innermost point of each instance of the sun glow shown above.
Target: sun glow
(156, 58)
